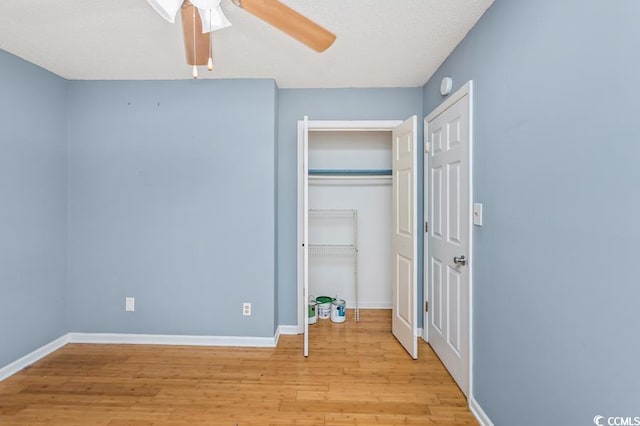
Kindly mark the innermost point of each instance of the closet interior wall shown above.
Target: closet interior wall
(350, 170)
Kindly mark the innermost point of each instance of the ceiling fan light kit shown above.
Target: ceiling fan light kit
(168, 9)
(212, 18)
(196, 29)
(210, 12)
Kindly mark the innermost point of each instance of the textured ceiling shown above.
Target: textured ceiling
(381, 43)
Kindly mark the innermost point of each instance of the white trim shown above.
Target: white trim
(300, 302)
(478, 412)
(418, 228)
(164, 339)
(11, 369)
(354, 125)
(370, 305)
(465, 90)
(425, 239)
(468, 88)
(276, 336)
(419, 332)
(287, 329)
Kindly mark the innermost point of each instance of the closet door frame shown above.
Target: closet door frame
(323, 126)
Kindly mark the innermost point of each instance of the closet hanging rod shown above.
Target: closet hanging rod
(350, 172)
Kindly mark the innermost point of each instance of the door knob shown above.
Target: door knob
(460, 260)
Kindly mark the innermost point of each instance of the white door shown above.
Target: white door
(303, 227)
(403, 236)
(448, 240)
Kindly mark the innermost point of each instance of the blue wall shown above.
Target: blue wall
(556, 166)
(326, 104)
(33, 212)
(172, 201)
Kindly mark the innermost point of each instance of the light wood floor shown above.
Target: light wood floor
(357, 373)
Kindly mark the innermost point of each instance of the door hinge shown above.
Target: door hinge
(426, 306)
(426, 227)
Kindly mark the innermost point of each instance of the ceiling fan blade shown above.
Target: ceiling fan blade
(289, 21)
(194, 40)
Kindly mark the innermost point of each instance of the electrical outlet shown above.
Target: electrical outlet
(246, 309)
(130, 304)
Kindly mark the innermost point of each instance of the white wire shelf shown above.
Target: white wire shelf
(335, 218)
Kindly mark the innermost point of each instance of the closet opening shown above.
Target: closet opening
(351, 175)
(349, 218)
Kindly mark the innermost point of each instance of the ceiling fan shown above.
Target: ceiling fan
(201, 17)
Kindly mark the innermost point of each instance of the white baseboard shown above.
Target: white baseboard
(285, 329)
(288, 329)
(478, 412)
(369, 305)
(11, 369)
(164, 339)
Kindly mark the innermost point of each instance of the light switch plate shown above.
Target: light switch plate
(130, 304)
(477, 214)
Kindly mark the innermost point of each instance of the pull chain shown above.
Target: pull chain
(210, 61)
(195, 55)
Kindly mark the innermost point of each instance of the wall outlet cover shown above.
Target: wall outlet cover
(130, 304)
(246, 309)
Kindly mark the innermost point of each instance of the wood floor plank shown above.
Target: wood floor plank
(357, 374)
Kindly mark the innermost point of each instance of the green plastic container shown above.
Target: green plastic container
(324, 299)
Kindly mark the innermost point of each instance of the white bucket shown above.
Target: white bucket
(313, 312)
(324, 307)
(338, 311)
